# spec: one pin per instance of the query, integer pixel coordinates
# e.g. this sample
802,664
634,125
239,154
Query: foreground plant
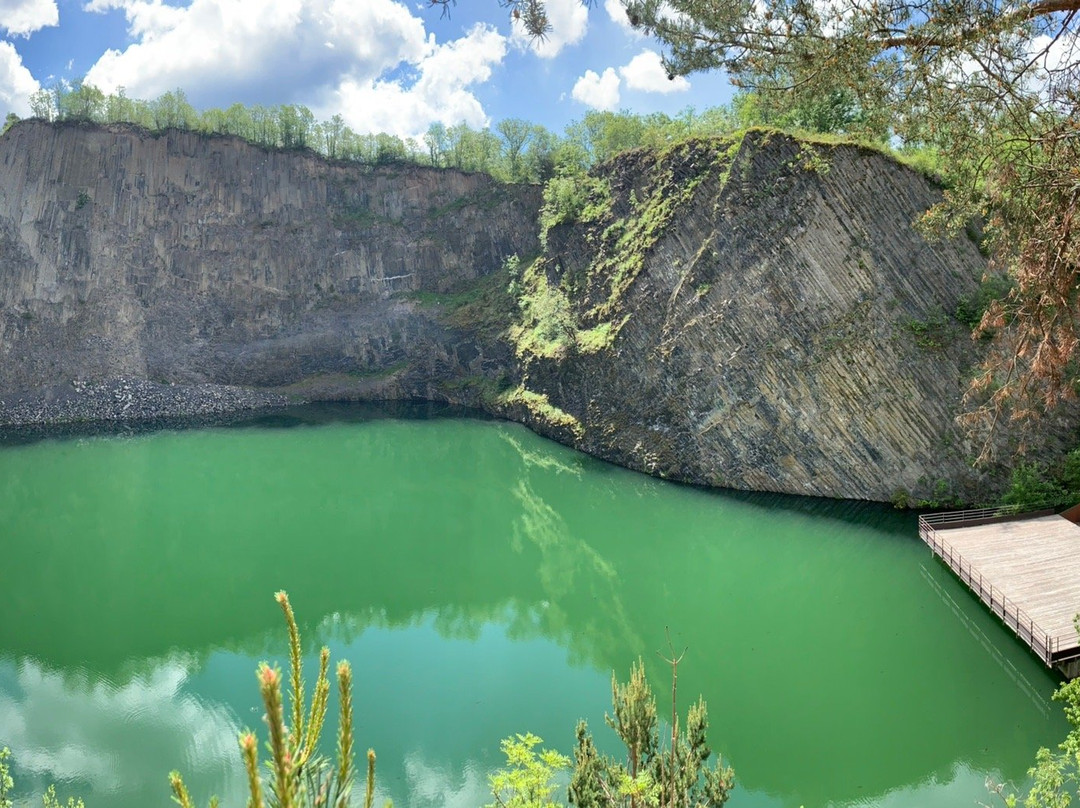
653,776
6,783
678,776
1055,777
297,776
528,781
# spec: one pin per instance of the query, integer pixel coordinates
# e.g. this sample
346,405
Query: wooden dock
1026,568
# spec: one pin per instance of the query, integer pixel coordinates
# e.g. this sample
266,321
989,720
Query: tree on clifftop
993,86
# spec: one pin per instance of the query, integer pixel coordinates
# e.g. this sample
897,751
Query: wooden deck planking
1034,562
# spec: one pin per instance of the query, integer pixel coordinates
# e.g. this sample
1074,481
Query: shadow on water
486,581
316,414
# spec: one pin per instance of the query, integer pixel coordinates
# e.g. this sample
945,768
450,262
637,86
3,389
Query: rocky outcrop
757,313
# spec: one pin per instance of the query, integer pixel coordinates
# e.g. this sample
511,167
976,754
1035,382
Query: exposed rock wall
183,258
776,324
789,330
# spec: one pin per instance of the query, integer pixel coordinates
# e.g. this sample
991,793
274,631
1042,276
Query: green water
482,581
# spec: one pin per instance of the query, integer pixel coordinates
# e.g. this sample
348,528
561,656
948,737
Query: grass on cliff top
924,160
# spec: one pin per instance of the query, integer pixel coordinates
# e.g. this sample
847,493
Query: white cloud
646,72
16,83
569,21
219,48
145,17
372,61
617,12
439,94
23,17
598,92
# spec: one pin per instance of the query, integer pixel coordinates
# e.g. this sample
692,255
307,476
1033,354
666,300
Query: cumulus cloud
598,91
646,72
569,22
440,93
372,61
23,17
16,83
232,46
1056,60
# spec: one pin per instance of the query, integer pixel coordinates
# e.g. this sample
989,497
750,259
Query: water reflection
483,582
93,736
436,786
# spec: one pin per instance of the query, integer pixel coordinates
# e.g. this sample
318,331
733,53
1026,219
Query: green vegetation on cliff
484,306
578,308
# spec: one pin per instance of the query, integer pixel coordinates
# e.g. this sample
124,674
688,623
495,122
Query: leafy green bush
1056,775
528,781
971,308
573,197
933,334
1031,488
6,783
1070,472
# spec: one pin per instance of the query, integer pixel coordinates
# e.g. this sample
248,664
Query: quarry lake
483,582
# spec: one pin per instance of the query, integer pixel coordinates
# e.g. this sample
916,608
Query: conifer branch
295,671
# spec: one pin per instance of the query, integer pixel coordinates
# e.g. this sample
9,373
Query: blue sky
384,65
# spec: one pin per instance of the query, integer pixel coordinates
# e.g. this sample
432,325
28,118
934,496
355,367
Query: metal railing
1011,615
950,518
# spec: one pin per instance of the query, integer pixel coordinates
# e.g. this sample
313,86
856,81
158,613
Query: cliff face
757,314
787,329
189,259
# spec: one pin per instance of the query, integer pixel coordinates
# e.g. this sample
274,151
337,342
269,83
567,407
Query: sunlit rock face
756,313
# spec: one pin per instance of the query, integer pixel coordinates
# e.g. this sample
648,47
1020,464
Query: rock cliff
757,313
784,328
189,259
